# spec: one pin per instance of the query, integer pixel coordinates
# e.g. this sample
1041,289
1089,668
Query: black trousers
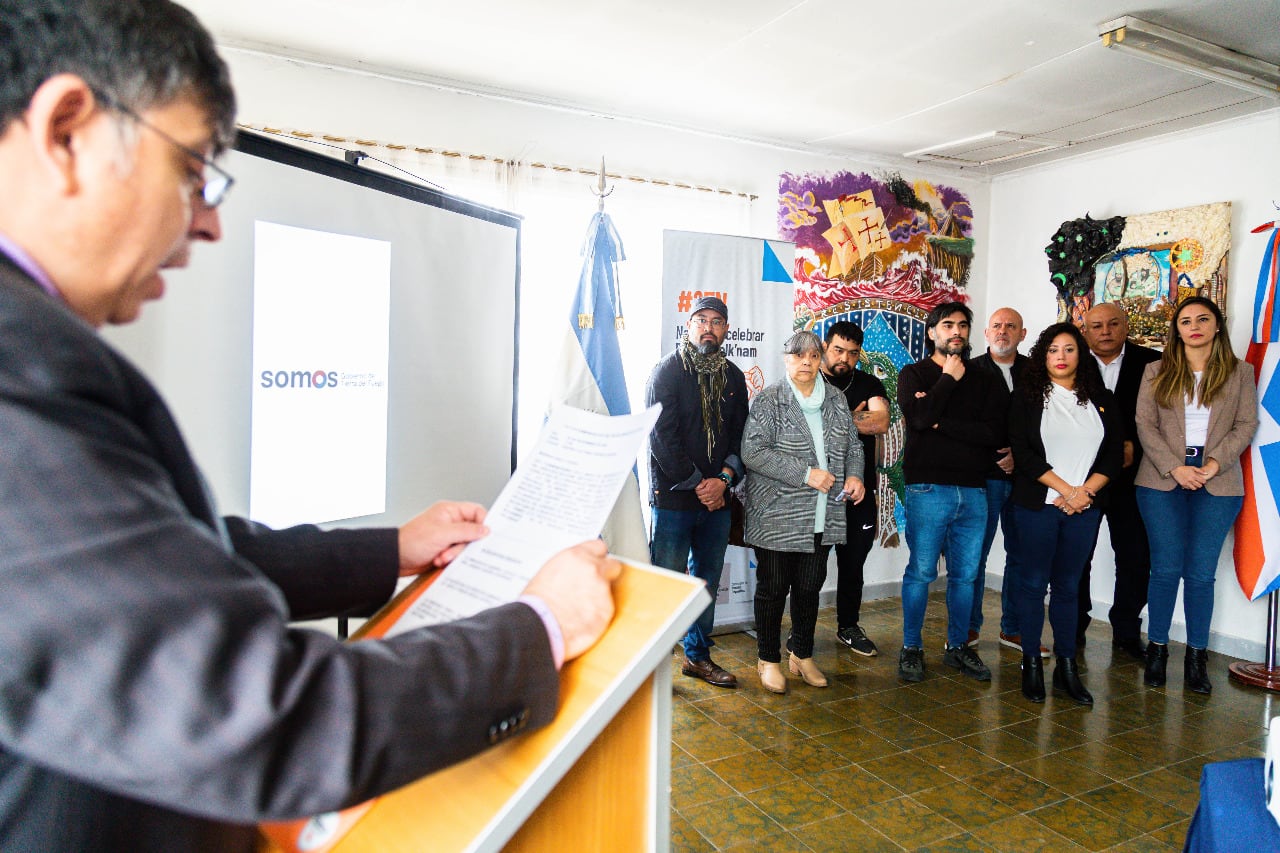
851,558
1133,564
777,574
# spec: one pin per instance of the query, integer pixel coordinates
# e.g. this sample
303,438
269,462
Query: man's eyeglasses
714,322
214,187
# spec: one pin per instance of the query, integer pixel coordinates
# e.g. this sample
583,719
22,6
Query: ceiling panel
822,75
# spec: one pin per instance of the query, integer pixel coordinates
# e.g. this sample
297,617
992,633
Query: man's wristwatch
728,481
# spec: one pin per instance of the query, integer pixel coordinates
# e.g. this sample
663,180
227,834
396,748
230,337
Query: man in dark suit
152,694
1121,361
1002,360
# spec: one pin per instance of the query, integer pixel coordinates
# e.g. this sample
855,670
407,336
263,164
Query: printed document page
560,496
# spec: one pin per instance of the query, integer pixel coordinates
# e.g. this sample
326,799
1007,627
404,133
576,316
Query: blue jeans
1054,548
692,541
938,517
1188,530
999,511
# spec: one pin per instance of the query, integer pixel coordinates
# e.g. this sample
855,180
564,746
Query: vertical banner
321,309
753,278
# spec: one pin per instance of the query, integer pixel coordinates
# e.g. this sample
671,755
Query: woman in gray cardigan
802,458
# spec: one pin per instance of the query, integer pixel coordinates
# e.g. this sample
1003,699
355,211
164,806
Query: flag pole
1264,675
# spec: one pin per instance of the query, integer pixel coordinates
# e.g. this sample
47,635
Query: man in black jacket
693,462
1002,360
1122,362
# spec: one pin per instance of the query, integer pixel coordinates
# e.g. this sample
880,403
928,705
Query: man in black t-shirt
870,406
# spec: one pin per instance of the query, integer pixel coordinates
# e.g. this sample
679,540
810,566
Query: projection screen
329,252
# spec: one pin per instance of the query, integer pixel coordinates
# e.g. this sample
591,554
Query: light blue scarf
812,408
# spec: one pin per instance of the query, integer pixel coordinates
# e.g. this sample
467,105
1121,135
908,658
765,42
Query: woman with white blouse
1197,412
1067,442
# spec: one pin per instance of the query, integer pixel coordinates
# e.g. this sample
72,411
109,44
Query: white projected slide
321,315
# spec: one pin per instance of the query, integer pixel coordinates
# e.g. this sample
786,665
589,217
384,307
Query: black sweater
954,430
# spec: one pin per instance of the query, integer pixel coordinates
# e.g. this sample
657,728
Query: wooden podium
597,778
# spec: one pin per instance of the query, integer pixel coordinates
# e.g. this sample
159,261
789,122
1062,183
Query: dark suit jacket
1136,359
987,363
1025,417
152,695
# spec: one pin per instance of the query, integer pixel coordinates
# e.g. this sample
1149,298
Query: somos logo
299,379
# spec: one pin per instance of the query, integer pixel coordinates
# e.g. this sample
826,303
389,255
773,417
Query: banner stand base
1267,674
1256,675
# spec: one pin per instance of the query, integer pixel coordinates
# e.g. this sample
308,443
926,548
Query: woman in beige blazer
1197,412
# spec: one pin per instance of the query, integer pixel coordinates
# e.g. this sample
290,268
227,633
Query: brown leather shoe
709,672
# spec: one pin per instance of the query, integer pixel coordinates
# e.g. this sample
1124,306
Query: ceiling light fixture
995,146
1181,52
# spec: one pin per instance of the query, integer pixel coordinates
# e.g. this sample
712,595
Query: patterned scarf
710,369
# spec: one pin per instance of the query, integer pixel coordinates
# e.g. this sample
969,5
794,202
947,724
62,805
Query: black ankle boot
1066,678
1033,677
1195,673
1157,657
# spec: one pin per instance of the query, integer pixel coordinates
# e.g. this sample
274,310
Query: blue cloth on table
1232,815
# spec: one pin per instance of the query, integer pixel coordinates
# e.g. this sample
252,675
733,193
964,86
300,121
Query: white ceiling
829,76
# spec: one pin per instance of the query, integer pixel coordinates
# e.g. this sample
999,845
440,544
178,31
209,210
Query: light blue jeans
999,512
938,517
1188,529
692,541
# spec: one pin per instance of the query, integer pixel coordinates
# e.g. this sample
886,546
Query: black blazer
987,363
1029,452
152,694
1136,359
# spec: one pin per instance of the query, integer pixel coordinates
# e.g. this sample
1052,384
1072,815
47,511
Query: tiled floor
873,764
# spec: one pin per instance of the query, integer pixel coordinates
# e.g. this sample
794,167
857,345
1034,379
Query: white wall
1235,161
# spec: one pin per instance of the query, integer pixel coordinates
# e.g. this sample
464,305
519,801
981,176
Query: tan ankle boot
771,676
808,670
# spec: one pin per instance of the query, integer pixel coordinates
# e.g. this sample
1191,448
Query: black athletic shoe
857,641
911,664
967,661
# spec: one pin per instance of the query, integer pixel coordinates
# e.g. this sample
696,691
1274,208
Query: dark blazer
987,363
1136,359
152,694
678,458
1233,419
1025,417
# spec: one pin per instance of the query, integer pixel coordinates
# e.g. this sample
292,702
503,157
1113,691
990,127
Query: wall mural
1146,264
880,252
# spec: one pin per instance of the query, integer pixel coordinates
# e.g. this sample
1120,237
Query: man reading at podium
152,693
